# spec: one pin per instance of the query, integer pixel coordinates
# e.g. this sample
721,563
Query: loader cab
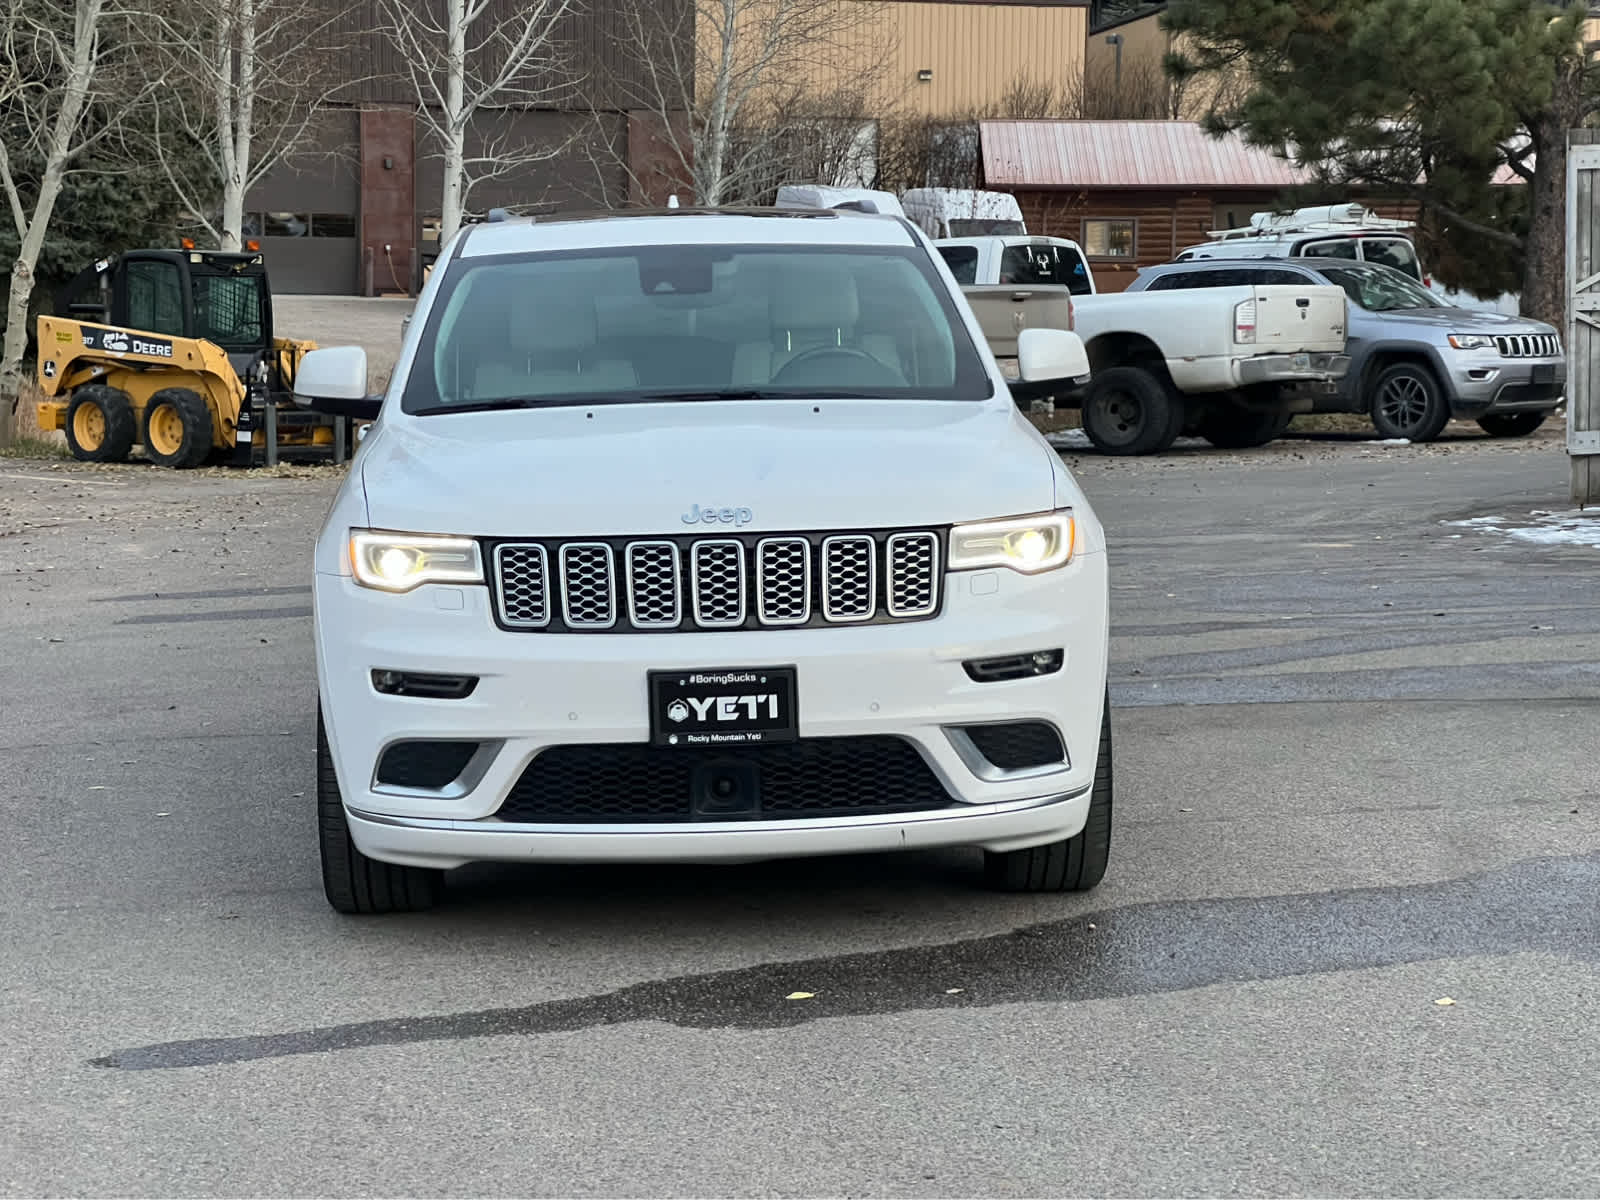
214,296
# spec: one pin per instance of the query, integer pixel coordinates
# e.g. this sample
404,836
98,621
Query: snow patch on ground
1389,442
1070,439
1541,528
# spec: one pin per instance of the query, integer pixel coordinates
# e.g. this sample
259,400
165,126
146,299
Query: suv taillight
1244,322
1072,315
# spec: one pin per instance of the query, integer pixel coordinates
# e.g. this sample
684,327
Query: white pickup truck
1232,365
1016,282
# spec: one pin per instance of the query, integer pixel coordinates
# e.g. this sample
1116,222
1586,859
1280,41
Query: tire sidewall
1438,408
117,411
197,428
1160,411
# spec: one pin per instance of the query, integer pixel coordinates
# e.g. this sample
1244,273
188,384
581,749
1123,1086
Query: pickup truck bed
1226,362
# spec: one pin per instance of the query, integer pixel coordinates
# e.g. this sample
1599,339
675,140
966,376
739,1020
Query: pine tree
1424,100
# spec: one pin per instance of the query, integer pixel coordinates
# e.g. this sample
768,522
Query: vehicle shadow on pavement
1539,906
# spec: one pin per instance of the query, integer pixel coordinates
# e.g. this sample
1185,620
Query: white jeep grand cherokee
703,536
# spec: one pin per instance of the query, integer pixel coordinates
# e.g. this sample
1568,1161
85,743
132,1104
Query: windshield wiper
714,394
433,410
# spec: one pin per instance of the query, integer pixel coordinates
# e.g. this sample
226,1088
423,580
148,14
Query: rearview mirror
334,382
1050,356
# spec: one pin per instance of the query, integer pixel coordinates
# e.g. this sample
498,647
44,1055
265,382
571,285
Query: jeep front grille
677,584
1528,345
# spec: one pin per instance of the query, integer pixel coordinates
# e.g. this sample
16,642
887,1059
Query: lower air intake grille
1018,745
637,784
430,765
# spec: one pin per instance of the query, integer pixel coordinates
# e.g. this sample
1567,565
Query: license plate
1302,362
1545,373
1010,368
728,706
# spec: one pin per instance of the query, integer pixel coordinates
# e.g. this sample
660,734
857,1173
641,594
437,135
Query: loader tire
177,428
100,424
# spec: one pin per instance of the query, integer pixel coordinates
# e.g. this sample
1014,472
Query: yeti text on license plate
725,706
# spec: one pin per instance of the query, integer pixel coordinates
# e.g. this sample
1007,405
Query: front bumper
536,691
1491,384
1289,368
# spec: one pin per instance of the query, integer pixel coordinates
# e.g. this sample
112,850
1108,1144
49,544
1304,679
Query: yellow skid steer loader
174,350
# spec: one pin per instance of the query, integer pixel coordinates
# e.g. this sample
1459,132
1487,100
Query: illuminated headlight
398,562
1471,341
1026,544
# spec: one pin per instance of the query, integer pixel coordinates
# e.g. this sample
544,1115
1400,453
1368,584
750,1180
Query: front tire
1407,402
352,882
1074,865
1129,410
100,424
1512,424
1229,425
177,428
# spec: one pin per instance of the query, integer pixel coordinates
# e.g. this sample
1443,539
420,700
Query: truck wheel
100,424
177,428
1074,865
1407,402
1512,424
1128,410
352,882
1229,425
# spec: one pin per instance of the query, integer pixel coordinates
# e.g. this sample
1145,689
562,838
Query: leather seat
547,350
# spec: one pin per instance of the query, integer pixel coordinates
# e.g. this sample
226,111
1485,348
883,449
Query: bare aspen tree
470,61
739,87
243,84
53,70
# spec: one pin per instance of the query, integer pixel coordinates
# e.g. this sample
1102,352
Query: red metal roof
1125,154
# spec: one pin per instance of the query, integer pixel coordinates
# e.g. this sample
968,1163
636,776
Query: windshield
693,322
228,310
1379,289
980,227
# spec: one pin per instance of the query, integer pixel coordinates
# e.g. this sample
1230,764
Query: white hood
638,468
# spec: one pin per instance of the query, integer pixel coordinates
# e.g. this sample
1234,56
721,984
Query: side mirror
334,382
1050,356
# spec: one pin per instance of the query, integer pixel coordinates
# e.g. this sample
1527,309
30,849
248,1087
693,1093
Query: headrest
639,316
559,325
815,296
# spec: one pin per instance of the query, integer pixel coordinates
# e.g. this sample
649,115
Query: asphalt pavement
1356,761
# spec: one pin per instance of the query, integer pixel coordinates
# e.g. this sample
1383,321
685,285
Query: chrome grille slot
654,598
783,581
913,574
679,583
717,578
588,590
522,581
1528,345
850,571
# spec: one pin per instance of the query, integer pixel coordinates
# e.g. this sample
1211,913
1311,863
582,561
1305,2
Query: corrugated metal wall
974,51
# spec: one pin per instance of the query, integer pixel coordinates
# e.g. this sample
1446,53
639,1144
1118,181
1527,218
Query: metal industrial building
356,213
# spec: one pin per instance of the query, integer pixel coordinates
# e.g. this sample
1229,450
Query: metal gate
1583,315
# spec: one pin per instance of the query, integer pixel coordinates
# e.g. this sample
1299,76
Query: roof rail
1326,218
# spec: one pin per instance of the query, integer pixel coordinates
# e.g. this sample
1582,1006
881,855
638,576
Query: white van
962,212
1341,231
812,195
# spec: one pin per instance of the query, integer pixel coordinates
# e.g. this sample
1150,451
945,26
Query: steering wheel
888,376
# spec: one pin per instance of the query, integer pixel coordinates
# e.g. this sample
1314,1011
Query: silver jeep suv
1414,362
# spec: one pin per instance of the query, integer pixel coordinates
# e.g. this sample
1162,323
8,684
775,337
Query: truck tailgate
1004,310
1295,319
